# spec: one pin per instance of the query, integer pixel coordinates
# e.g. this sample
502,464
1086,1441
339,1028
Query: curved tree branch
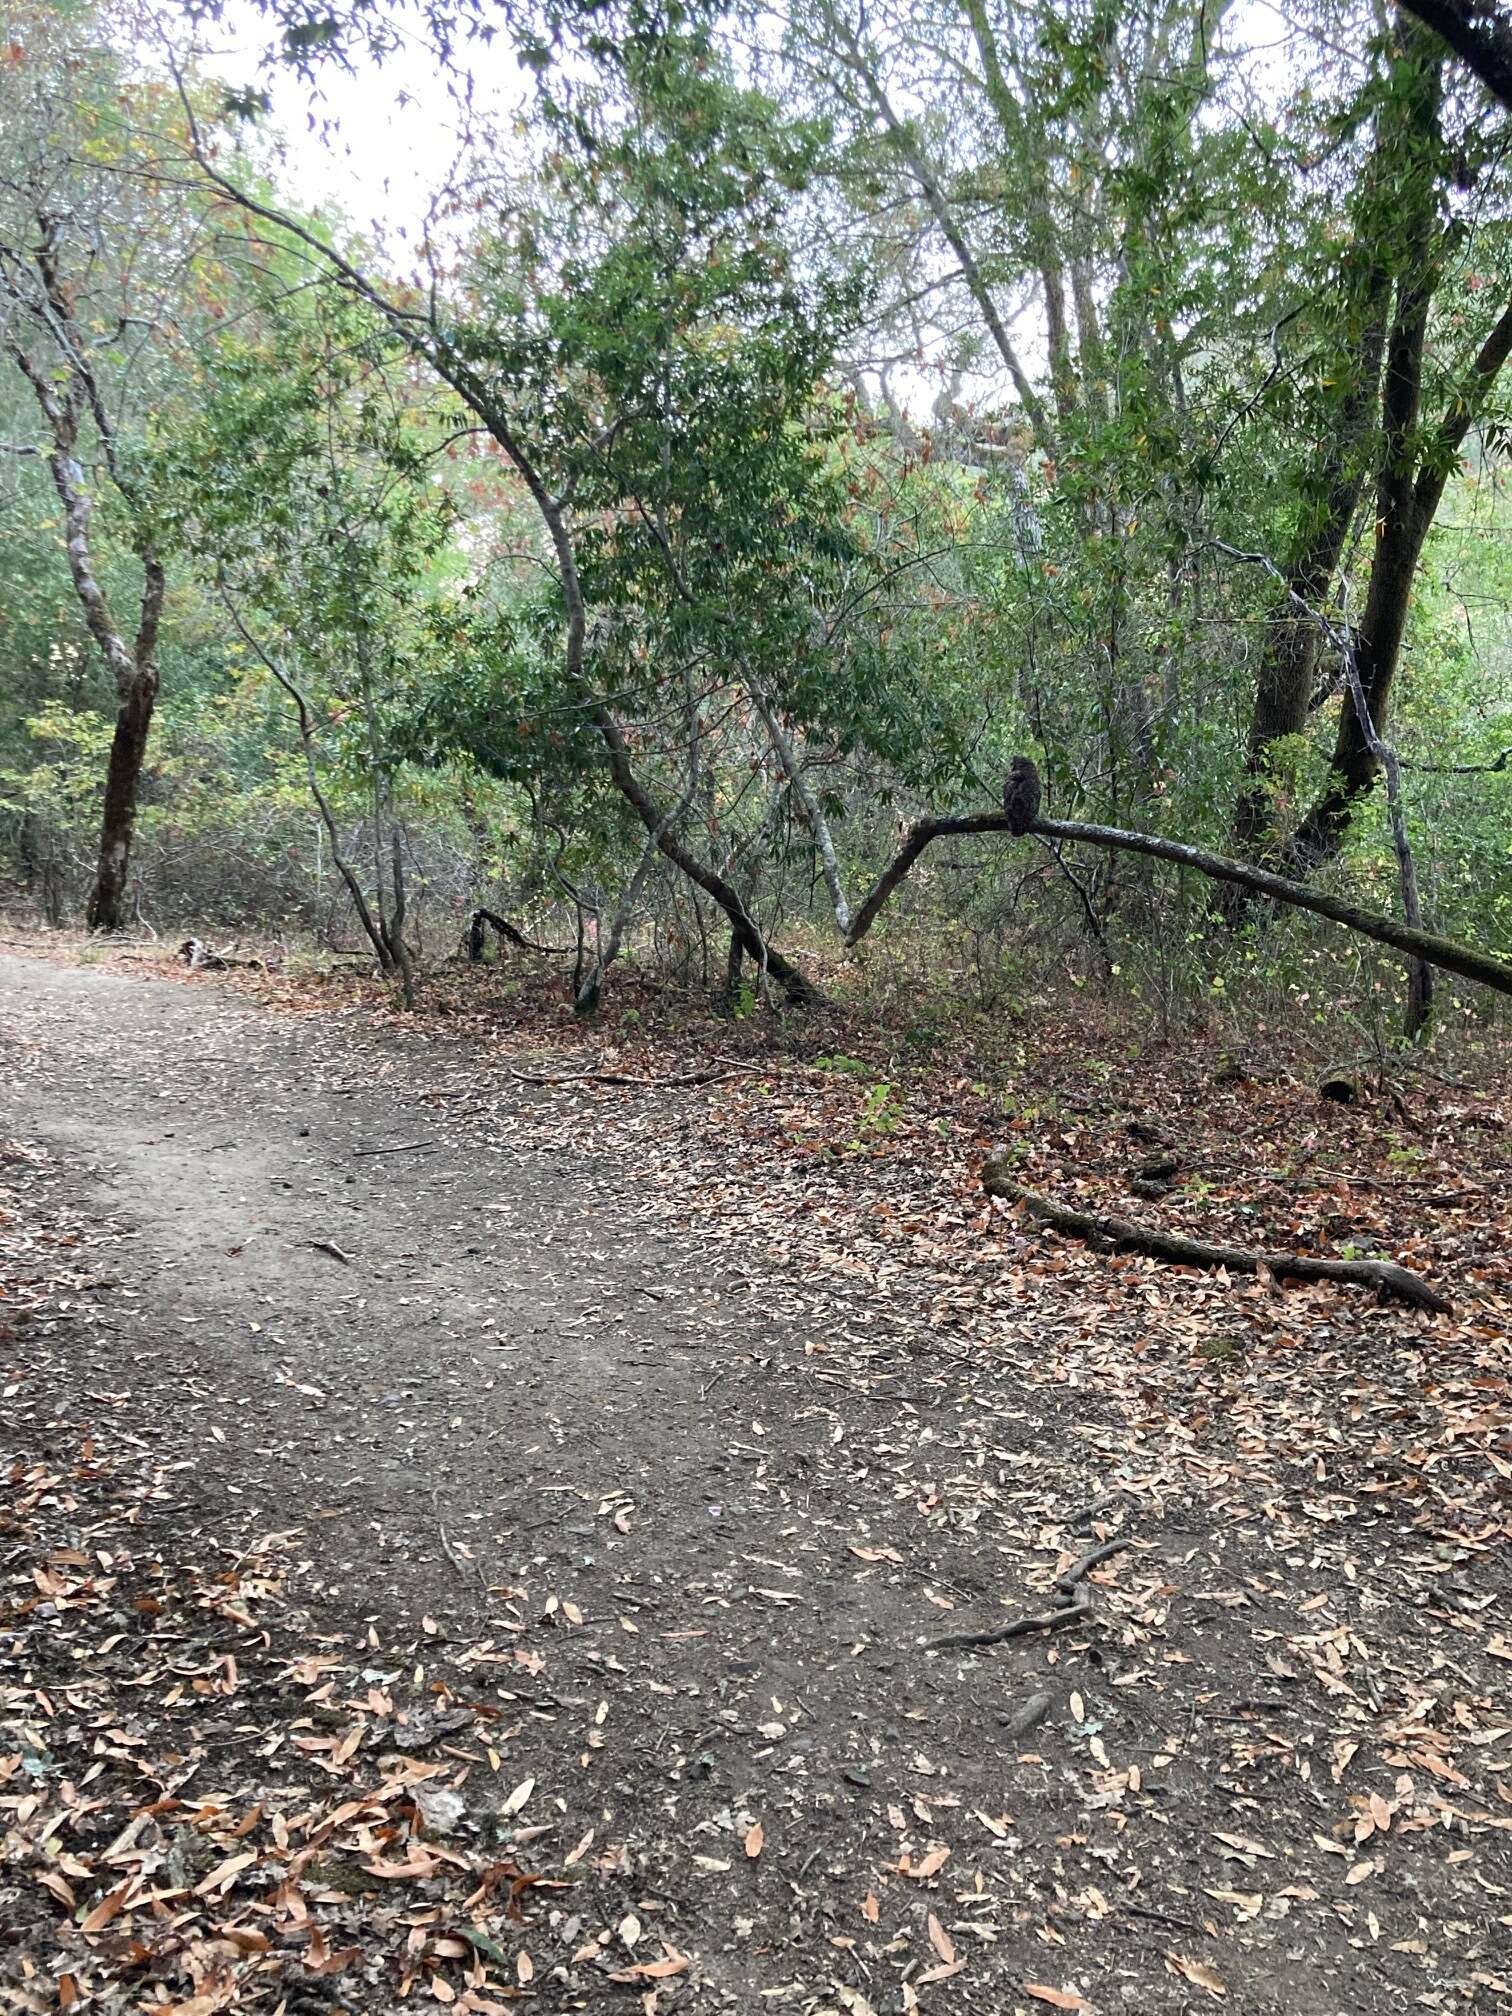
1446,953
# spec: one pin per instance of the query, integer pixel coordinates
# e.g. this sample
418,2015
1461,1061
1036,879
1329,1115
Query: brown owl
1021,794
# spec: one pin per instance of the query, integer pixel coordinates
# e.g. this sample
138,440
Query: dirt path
490,1319
703,1518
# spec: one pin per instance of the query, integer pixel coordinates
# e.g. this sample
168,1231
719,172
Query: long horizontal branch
1447,953
1121,1235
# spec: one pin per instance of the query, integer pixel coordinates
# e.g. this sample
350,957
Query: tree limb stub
1113,1234
1447,953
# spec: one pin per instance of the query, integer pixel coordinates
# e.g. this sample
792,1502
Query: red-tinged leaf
671,1962
244,1938
108,1907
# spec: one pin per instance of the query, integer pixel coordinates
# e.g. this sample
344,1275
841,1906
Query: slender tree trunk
1415,464
1288,668
588,993
734,962
108,908
64,396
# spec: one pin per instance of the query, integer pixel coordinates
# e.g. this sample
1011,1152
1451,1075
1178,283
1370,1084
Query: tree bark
64,396
1121,1235
1478,33
1415,461
108,907
132,666
1289,653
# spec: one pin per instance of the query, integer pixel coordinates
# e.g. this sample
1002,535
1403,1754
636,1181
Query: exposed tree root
1111,1234
1076,1604
710,1077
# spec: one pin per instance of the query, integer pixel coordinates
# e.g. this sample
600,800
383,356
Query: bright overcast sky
378,142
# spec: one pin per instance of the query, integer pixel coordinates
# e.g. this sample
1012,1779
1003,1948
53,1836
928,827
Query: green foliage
705,419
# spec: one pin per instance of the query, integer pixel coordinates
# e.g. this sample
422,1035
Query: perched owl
1021,794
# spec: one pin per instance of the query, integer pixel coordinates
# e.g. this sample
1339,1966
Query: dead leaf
1197,1972
518,1797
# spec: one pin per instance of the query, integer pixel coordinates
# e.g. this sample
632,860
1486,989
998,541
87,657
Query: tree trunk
108,909
65,396
1289,654
1285,680
1478,34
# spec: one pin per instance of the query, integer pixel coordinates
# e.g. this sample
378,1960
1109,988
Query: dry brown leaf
518,1797
672,1962
1058,1998
107,1908
1197,1972
755,1840
853,2001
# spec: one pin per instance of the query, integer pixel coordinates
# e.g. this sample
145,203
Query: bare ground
511,1470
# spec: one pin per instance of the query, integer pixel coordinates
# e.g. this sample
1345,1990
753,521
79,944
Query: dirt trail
490,1318
713,1514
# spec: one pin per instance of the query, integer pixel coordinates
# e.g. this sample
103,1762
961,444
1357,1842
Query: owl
1021,794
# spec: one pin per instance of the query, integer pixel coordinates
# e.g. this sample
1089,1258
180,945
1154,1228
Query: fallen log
1108,1233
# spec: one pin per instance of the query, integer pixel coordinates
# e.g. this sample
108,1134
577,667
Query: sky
378,142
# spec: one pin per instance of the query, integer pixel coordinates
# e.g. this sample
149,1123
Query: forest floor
469,1540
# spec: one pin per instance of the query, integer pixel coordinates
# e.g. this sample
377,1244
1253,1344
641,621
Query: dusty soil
456,1445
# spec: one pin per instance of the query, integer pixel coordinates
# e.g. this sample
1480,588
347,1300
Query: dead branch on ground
1107,1233
1075,1604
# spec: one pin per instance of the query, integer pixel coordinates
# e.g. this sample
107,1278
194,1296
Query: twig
465,1568
396,1148
1079,1521
330,1246
1070,1585
1160,1917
